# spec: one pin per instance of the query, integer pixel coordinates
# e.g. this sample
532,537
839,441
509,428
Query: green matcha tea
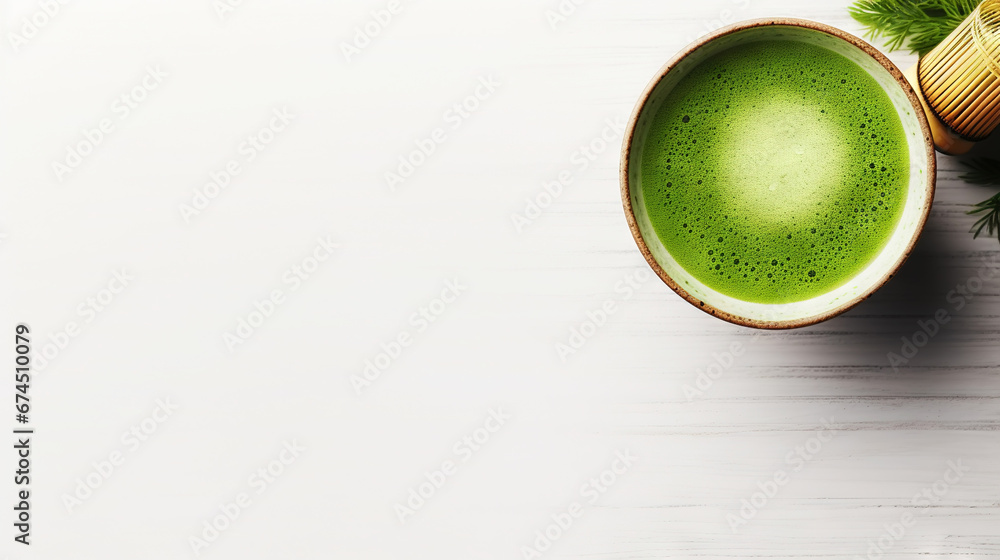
775,171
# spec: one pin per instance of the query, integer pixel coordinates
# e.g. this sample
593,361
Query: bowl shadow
917,292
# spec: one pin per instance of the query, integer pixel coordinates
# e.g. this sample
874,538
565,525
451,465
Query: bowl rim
774,22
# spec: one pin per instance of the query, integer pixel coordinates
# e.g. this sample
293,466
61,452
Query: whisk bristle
960,78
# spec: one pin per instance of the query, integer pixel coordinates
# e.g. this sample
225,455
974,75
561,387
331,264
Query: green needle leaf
985,171
918,25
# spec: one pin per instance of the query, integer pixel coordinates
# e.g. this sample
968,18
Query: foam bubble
778,166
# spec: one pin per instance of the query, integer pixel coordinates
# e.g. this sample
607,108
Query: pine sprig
990,220
985,171
918,25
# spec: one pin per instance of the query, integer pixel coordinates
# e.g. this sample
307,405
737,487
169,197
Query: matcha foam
775,171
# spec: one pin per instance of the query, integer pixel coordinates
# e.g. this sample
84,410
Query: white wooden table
475,398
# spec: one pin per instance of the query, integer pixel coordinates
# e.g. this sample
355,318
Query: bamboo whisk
960,81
